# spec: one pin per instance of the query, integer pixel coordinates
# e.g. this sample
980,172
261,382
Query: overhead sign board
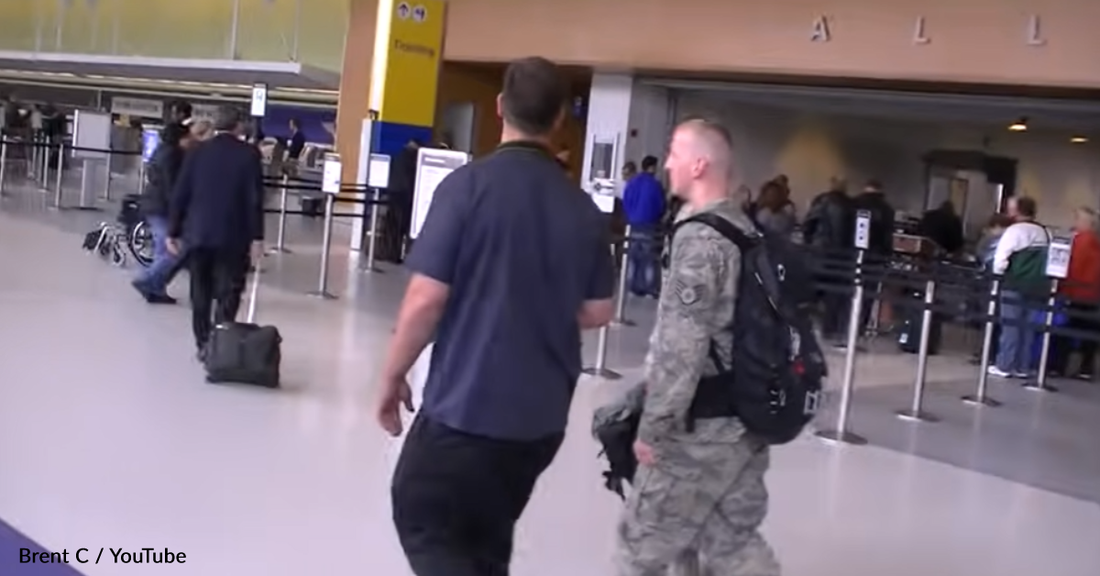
259,100
139,107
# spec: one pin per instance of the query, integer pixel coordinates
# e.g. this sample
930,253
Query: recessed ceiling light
1019,125
1078,139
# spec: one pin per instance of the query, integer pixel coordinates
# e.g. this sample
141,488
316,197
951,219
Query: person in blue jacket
644,207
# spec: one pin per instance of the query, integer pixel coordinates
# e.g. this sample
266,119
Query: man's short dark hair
229,118
534,96
182,108
649,163
1026,206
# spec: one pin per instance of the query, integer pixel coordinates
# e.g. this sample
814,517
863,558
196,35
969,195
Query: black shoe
160,299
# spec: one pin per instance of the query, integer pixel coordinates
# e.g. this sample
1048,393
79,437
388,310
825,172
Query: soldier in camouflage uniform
698,497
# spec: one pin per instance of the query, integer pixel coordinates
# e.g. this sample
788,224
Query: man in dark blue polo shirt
512,263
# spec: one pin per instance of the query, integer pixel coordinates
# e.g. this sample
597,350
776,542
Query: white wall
810,149
635,115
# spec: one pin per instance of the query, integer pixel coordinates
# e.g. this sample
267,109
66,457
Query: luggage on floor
244,352
909,335
312,206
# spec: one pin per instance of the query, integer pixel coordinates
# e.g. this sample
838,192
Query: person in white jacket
1020,257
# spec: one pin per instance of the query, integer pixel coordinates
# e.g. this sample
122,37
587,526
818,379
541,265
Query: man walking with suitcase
217,210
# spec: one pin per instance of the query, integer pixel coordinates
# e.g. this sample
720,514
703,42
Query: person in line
162,173
217,211
630,170
829,228
511,265
297,141
643,207
773,211
398,219
180,112
986,250
944,227
699,493
1082,289
880,243
201,131
1021,257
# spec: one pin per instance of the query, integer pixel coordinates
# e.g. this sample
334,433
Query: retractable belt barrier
38,166
925,290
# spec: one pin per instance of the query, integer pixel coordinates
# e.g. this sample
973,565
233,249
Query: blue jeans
156,278
644,261
1014,350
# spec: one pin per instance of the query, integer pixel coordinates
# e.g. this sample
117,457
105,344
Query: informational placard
1058,253
330,176
91,135
862,238
378,175
432,166
150,140
602,191
259,100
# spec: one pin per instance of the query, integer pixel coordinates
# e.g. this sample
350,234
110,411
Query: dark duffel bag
312,206
244,352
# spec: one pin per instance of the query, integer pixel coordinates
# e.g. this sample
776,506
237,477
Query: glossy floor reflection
109,437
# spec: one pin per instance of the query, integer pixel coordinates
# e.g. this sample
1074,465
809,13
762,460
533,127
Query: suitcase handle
253,295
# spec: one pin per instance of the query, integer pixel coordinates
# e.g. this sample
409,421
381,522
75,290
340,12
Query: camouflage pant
698,510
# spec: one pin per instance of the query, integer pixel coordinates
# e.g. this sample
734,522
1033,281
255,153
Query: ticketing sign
150,140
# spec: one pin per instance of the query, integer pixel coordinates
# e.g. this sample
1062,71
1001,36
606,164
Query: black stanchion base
322,294
624,323
81,208
841,437
1040,387
916,416
602,373
973,400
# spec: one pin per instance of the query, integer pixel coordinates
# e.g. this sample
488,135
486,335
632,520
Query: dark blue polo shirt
521,248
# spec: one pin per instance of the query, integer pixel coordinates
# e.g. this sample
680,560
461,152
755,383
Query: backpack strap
724,227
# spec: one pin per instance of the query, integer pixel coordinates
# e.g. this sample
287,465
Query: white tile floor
109,437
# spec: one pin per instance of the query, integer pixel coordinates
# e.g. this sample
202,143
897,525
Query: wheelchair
129,236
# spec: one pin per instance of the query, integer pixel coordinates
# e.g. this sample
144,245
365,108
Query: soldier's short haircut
715,139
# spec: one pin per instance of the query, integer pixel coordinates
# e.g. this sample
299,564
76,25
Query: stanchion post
372,239
60,171
326,246
981,397
32,158
107,178
841,434
620,318
44,158
330,186
600,369
1040,383
3,163
280,242
916,412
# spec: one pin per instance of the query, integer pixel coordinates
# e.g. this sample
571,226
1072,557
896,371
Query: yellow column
403,43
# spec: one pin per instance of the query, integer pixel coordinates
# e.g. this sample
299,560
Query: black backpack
774,382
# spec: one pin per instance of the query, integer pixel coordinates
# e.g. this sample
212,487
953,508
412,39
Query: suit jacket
218,200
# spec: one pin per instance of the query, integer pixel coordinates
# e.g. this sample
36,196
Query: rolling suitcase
244,352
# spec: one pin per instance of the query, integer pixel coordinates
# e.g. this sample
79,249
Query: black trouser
1060,347
217,279
457,497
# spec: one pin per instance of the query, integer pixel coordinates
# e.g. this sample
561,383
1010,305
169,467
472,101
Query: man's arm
434,263
256,166
599,306
180,202
698,276
1006,246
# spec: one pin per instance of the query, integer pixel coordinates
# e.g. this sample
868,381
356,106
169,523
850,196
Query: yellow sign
408,52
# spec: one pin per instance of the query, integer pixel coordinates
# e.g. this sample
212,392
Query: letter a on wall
821,30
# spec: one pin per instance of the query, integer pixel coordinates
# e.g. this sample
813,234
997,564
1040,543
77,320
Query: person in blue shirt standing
644,207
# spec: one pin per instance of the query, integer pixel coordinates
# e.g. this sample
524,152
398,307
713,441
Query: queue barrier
39,167
953,292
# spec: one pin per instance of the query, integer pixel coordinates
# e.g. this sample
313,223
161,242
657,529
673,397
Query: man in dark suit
217,212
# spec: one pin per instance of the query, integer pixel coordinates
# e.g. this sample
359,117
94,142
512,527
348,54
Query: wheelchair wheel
118,257
140,243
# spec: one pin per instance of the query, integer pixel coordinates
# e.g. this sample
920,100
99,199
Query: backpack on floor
774,382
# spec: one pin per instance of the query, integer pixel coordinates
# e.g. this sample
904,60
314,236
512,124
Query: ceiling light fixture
1078,140
1019,125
